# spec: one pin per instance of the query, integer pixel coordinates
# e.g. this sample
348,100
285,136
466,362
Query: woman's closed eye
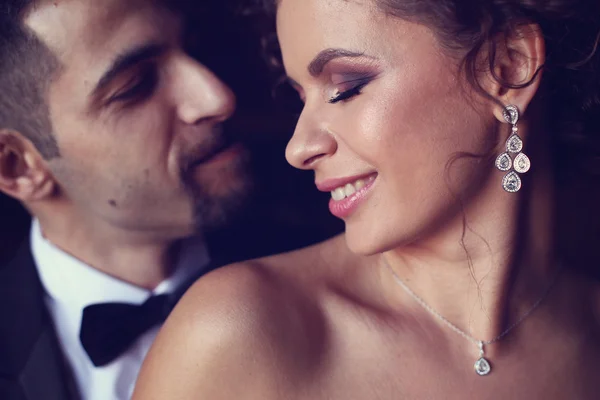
354,88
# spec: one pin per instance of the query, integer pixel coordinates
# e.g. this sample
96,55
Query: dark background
286,211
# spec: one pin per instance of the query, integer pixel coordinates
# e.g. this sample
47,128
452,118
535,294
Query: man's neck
144,262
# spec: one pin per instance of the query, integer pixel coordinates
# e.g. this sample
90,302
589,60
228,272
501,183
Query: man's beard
215,209
212,211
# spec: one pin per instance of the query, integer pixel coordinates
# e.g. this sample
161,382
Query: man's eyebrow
316,66
128,59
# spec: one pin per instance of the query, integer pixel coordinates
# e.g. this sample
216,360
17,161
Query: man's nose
199,95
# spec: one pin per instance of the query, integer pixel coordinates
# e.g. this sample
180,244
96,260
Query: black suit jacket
32,365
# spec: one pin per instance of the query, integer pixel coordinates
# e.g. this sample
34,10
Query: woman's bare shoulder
247,290
254,315
320,256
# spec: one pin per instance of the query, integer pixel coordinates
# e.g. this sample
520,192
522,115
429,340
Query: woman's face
386,112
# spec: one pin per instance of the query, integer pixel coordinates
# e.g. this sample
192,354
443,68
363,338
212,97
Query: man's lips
205,156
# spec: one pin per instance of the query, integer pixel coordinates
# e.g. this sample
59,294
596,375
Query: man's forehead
91,25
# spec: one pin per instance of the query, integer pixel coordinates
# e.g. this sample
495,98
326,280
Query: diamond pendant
482,366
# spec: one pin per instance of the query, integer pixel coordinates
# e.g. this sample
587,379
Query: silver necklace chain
482,366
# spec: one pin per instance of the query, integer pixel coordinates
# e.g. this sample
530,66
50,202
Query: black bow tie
108,330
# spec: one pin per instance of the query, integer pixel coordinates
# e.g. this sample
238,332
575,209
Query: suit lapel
31,361
44,376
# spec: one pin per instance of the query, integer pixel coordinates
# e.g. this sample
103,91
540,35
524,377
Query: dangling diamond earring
514,145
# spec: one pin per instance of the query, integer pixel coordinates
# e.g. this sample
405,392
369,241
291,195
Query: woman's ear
23,172
517,69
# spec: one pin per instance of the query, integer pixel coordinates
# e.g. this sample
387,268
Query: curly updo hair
571,74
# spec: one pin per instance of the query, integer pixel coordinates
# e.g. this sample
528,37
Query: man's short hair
27,66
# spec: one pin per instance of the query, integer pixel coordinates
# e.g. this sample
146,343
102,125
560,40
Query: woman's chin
365,244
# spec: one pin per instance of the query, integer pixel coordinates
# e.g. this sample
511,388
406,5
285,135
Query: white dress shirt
71,285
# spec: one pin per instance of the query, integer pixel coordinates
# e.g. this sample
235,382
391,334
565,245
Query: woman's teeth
347,190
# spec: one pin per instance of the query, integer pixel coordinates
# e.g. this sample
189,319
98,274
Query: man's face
136,120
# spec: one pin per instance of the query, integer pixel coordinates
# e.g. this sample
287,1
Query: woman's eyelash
347,94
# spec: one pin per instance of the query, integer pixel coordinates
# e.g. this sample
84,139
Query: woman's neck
488,267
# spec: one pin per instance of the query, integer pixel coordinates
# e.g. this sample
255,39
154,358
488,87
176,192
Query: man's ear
517,69
24,174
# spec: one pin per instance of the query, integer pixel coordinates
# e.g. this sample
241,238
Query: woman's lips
348,193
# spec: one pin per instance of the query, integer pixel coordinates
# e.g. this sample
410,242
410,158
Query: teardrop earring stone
504,162
511,114
522,163
511,182
514,144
